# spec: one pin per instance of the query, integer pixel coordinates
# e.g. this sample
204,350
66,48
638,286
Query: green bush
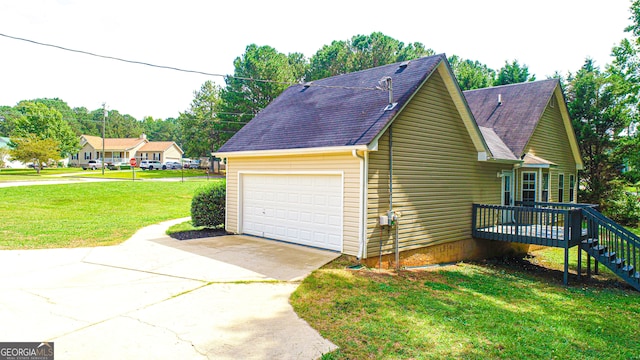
624,208
208,205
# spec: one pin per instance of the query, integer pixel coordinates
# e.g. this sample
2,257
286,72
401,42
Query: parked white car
150,165
93,165
172,165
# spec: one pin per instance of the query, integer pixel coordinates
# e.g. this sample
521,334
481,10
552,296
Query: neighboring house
314,167
162,151
8,163
123,149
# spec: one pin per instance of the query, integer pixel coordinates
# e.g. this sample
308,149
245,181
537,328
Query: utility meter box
384,220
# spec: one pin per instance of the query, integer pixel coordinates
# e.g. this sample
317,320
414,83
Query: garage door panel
304,209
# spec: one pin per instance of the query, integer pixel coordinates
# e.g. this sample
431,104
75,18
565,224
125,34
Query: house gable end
559,143
435,168
447,79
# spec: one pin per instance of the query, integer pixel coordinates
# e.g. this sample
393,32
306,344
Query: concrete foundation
472,249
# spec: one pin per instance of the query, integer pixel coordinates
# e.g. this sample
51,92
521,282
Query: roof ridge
375,68
512,85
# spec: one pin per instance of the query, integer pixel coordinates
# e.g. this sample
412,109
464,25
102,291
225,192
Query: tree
46,123
32,148
118,125
361,52
58,104
598,118
3,153
161,130
513,73
202,130
471,74
8,117
243,97
86,123
330,60
377,49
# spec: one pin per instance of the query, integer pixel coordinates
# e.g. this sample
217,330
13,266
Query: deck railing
614,246
549,226
565,226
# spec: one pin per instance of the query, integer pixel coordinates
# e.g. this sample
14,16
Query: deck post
474,220
565,278
588,265
579,262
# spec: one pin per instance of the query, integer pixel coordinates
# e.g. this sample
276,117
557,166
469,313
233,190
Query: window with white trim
572,184
528,187
545,187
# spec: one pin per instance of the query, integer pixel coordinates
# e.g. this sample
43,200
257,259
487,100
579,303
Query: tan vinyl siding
550,141
436,175
345,163
171,154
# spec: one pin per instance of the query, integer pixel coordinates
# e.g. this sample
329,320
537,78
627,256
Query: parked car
31,165
92,164
150,165
118,166
172,165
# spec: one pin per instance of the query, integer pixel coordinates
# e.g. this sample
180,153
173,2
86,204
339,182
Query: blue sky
208,35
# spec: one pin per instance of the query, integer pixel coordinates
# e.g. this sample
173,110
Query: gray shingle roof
516,118
329,115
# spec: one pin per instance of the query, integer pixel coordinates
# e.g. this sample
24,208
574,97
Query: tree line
603,102
216,112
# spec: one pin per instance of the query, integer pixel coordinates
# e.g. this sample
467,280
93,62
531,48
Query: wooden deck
547,235
548,226
564,226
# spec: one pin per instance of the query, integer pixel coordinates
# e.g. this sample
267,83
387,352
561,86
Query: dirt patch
198,234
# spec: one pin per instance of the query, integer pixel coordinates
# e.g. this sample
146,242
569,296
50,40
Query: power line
309,84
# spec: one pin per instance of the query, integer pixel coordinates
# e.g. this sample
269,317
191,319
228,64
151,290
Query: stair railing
618,247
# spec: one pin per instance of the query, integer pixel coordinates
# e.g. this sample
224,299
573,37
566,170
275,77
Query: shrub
624,208
208,205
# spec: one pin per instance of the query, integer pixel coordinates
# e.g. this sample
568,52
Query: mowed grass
468,311
146,174
31,174
88,214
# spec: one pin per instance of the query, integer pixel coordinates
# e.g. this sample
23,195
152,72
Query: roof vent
499,99
387,84
404,64
308,84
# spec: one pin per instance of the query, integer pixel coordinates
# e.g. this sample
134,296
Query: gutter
299,151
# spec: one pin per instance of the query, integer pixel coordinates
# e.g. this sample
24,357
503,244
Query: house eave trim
280,152
505,161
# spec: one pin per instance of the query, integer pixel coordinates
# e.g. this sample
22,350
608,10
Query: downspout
392,216
362,227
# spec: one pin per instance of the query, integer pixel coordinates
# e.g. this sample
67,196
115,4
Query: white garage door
303,209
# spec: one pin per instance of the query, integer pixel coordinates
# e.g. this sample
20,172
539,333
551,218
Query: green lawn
469,311
140,174
88,214
31,174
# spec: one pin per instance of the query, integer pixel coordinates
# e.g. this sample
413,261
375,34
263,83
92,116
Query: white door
507,196
302,209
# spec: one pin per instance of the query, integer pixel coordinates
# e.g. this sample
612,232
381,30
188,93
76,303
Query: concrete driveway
154,297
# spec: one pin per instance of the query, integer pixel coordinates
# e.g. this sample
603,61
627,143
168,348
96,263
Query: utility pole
104,120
